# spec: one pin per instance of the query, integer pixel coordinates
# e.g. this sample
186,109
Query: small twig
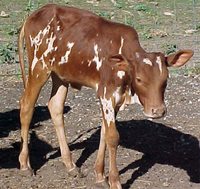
143,181
114,2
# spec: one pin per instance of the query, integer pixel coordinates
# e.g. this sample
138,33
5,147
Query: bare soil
152,154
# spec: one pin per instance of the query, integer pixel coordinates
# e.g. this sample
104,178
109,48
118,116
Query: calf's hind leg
56,106
27,103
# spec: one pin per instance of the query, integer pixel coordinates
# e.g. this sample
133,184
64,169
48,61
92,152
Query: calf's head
150,79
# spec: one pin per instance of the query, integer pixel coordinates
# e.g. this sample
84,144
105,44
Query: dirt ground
152,154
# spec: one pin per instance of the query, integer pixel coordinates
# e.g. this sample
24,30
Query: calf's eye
138,79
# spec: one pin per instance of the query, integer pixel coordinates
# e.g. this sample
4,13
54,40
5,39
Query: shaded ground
152,154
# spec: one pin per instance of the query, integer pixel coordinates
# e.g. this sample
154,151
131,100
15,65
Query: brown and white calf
78,48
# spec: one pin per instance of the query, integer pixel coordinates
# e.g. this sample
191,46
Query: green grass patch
148,17
170,48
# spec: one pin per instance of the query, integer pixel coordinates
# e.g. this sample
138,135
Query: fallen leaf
4,14
191,31
168,14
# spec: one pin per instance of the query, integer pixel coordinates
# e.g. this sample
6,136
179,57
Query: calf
78,48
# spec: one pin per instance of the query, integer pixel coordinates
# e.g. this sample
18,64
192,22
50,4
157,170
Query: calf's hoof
26,172
76,172
102,185
116,186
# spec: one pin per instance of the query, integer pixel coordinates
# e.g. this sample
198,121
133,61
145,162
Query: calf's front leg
99,164
112,140
109,138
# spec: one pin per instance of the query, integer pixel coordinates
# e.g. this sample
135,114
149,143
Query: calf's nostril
154,110
158,111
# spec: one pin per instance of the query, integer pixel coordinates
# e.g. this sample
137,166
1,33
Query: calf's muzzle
156,112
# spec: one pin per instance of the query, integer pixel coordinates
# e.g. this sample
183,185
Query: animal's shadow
38,151
159,144
9,121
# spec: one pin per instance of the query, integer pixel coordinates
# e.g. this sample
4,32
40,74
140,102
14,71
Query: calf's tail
21,54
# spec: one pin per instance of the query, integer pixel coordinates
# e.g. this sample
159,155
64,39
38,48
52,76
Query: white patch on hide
64,59
117,95
50,44
96,86
96,58
122,43
135,99
120,74
37,41
137,55
108,110
158,61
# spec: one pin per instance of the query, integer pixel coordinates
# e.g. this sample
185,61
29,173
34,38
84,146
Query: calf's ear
179,58
119,62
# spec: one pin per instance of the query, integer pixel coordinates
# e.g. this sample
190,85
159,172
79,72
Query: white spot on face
111,41
108,109
58,28
122,43
147,61
158,61
120,74
64,59
96,58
